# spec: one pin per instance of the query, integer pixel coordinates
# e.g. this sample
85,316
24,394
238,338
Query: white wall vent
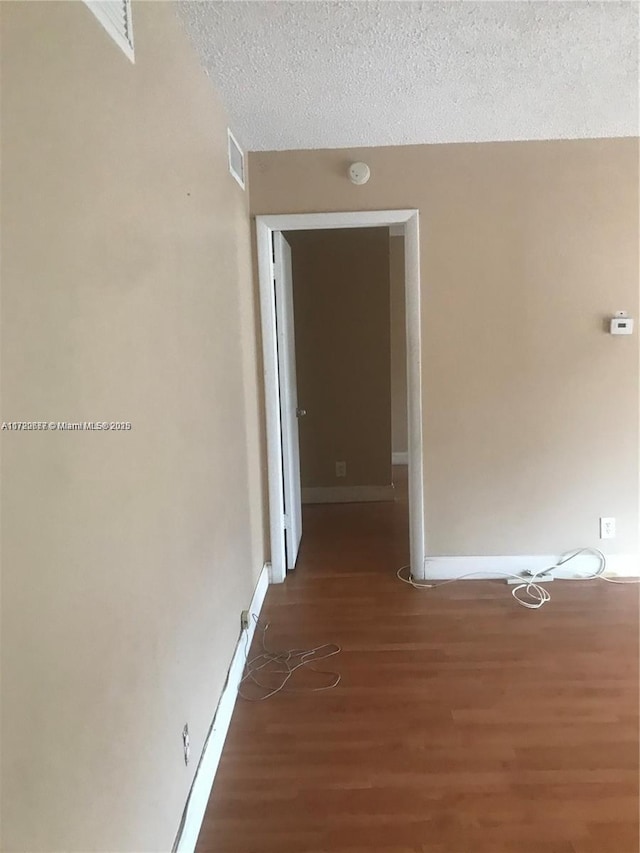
236,159
115,17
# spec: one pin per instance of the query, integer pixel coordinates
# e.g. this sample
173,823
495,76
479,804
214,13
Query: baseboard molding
347,494
400,457
445,568
206,772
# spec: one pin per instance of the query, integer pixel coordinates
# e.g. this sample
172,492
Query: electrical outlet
341,469
607,528
186,743
244,620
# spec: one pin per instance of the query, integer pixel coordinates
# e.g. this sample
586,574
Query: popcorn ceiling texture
346,74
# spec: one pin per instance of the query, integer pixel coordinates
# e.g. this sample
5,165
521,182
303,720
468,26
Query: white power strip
545,577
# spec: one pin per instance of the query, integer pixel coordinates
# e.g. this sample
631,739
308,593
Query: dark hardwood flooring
463,722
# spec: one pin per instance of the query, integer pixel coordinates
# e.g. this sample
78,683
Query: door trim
408,220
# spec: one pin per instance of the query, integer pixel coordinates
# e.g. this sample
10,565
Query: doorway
279,371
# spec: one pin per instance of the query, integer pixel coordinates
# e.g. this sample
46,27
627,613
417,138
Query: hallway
463,723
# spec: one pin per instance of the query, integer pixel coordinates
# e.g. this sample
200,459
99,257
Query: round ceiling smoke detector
359,173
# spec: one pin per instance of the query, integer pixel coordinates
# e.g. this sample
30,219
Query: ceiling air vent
236,159
115,17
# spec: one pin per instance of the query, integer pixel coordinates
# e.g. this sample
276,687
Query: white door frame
408,221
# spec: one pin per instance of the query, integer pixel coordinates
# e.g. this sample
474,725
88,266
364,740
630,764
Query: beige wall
531,409
341,299
399,438
127,295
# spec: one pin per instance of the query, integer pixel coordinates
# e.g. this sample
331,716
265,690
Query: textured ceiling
345,74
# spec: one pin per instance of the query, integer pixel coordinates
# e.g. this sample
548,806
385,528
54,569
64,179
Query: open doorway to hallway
350,372
281,403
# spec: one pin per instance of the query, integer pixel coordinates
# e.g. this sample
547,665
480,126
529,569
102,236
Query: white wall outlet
244,620
607,528
186,743
341,469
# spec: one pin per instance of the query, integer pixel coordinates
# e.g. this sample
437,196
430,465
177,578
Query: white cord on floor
536,595
284,664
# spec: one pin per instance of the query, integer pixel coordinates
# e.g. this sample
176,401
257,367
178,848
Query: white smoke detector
359,173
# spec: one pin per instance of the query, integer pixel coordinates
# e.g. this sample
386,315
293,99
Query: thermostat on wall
621,324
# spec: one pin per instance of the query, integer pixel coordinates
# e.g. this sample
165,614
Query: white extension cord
533,596
283,664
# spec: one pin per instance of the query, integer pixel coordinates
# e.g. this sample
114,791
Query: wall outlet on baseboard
607,528
244,620
341,469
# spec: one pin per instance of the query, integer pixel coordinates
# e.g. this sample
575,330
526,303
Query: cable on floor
529,594
283,664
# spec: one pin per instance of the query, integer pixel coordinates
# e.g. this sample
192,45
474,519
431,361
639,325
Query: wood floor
463,722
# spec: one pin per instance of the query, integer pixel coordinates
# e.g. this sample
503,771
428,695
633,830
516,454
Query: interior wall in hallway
399,440
127,296
342,319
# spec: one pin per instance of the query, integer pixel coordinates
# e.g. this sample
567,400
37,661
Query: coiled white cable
533,595
538,595
284,664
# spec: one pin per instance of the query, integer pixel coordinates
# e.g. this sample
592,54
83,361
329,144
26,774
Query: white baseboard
400,457
445,568
206,772
347,494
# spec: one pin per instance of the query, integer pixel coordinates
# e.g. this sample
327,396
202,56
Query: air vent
115,17
236,159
